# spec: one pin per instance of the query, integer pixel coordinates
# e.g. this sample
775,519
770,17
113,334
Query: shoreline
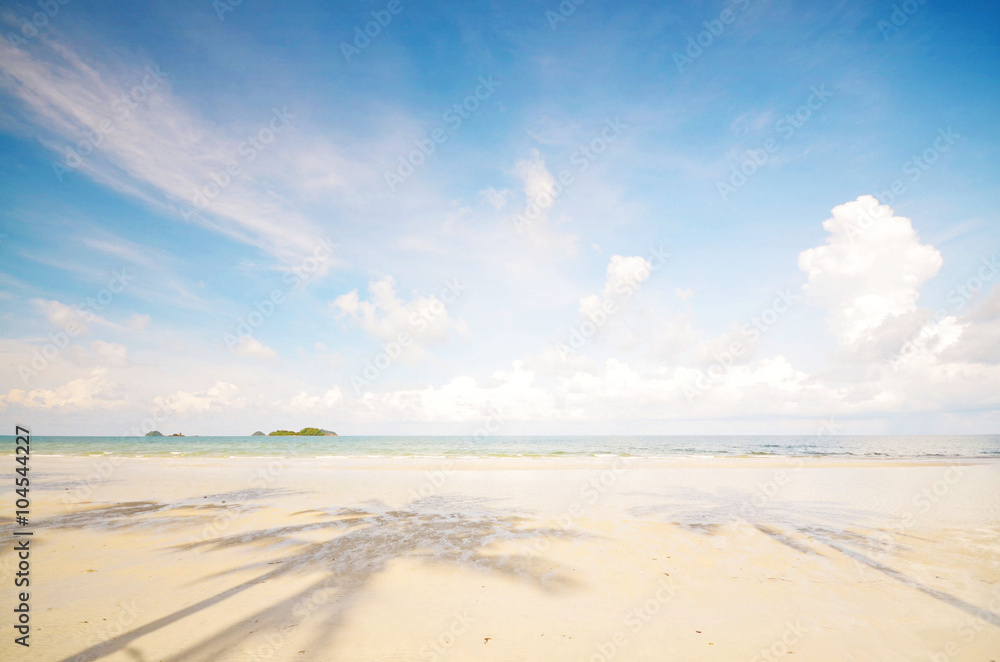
480,463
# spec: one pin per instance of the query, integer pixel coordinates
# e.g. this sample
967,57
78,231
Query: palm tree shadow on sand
362,542
817,529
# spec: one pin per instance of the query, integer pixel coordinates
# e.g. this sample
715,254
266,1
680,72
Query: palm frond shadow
362,542
131,514
836,529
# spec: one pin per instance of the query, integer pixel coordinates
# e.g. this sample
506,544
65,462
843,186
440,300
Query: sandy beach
154,559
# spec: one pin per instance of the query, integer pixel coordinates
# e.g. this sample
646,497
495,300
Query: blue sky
619,125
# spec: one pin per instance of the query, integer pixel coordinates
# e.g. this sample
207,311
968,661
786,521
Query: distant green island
304,432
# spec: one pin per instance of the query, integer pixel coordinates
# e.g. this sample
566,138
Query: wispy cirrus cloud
125,128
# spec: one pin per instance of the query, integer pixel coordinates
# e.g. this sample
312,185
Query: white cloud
869,277
464,399
870,270
950,363
113,245
158,150
539,183
624,276
138,322
541,193
94,392
613,391
220,396
97,353
303,402
252,347
61,315
498,199
109,353
989,307
751,123
332,358
386,316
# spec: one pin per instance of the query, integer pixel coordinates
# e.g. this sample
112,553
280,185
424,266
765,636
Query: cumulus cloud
652,327
138,322
385,316
613,390
624,276
221,395
498,199
101,353
94,392
250,346
969,338
541,192
303,402
464,398
63,316
869,272
939,362
539,183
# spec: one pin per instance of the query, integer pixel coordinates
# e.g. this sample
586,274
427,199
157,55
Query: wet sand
147,559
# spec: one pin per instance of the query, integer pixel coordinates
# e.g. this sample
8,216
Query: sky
397,217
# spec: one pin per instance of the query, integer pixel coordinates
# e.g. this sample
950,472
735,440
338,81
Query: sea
898,447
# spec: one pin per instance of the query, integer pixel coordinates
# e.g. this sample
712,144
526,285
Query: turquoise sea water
958,446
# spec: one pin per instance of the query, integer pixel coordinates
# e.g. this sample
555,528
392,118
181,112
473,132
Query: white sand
541,559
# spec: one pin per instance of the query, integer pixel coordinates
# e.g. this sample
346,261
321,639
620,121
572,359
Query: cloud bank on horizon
604,222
